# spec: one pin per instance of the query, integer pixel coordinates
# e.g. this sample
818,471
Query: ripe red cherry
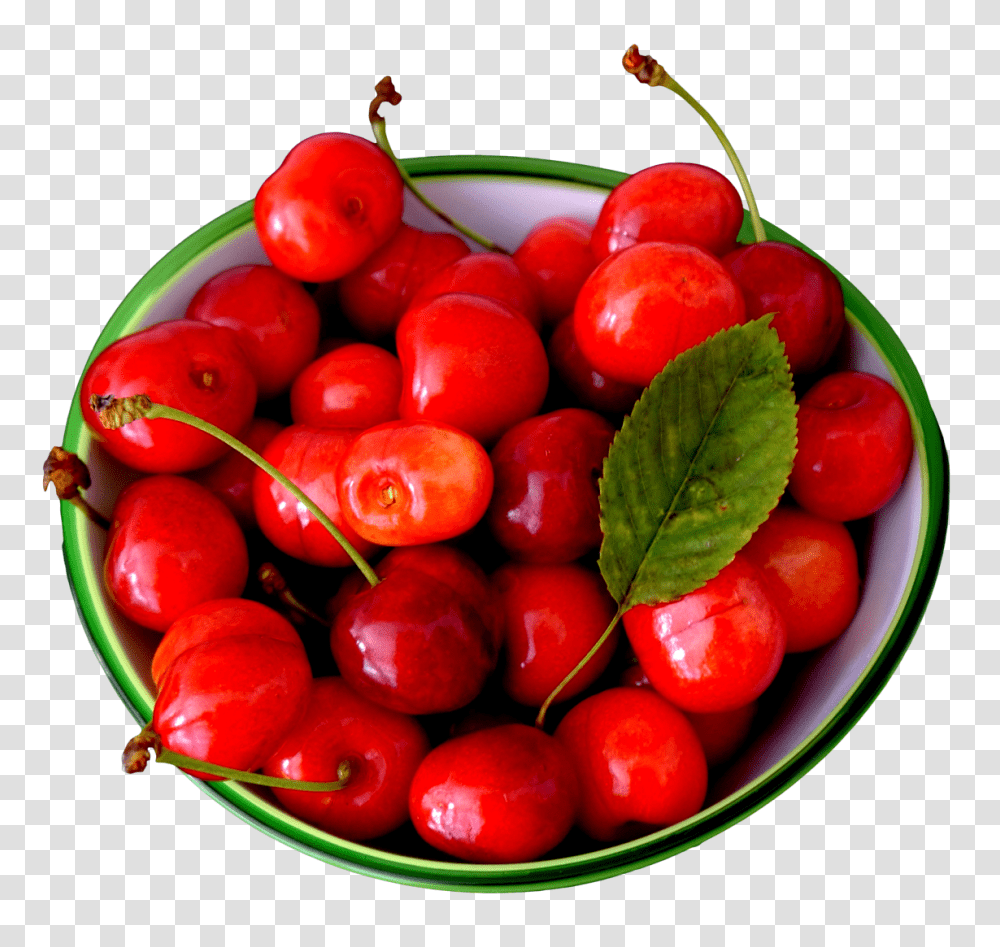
639,761
545,507
855,445
714,649
197,368
674,202
275,319
383,748
499,795
334,199
552,616
801,290
645,305
811,568
355,385
470,362
171,546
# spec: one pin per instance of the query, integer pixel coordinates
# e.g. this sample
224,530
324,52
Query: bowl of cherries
497,562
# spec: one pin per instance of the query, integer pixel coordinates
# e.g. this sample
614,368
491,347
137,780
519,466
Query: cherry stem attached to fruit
116,412
544,709
69,475
136,756
386,92
648,71
273,583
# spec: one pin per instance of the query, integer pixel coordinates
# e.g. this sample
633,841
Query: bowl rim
604,862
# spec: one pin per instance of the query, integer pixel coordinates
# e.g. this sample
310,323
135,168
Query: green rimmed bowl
504,197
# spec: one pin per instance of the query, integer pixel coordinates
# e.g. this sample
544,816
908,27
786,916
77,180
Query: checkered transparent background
870,132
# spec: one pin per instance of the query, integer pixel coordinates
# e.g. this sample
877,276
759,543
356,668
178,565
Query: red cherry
714,649
471,362
171,546
855,445
552,616
811,568
545,504
722,735
499,795
334,199
354,385
640,764
187,365
275,319
674,202
383,747
645,305
801,290
309,457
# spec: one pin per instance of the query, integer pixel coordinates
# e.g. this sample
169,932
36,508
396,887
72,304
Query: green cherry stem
386,92
116,412
648,71
69,475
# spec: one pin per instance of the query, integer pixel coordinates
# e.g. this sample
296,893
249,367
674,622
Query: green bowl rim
606,862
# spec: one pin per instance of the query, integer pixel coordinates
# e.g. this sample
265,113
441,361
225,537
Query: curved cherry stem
116,412
69,475
648,71
544,709
386,92
273,583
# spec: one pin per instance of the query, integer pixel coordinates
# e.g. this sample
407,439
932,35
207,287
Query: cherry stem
544,709
386,92
648,71
69,475
116,412
273,583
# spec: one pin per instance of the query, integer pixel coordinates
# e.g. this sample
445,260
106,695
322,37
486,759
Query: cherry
640,764
552,616
811,568
645,305
855,445
171,545
334,199
354,385
471,362
187,365
545,502
275,319
501,794
382,747
714,649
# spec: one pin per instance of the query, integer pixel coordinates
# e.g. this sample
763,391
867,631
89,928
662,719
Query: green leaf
698,466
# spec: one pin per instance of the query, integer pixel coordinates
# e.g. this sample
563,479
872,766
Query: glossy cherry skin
674,202
309,457
409,482
556,258
375,295
411,644
855,446
811,568
470,362
499,795
171,546
355,385
552,616
645,305
802,292
714,649
383,747
334,199
275,319
639,761
545,500
197,368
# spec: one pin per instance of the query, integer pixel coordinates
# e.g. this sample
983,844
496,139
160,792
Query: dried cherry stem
386,92
116,412
648,71
273,583
544,709
69,475
136,756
